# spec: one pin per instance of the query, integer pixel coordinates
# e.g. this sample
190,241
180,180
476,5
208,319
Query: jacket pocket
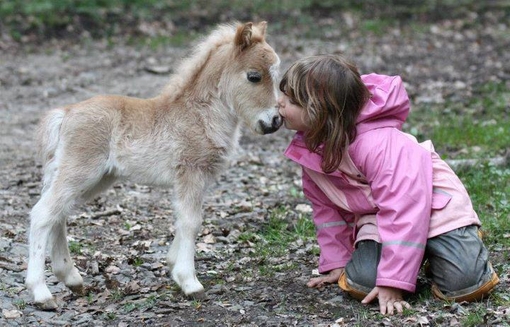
440,199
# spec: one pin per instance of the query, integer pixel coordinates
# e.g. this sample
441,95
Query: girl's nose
280,101
280,107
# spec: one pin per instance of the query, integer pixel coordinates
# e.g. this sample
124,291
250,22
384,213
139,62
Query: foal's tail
49,135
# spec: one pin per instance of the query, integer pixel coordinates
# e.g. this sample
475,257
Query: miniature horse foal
182,137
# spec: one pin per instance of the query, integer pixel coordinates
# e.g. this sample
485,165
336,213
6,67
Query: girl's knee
453,277
473,289
458,259
360,277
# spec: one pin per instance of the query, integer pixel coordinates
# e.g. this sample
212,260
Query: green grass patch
376,26
474,318
280,231
137,262
104,18
75,247
489,188
20,304
475,129
109,316
283,232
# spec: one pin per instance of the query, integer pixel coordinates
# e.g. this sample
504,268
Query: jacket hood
388,105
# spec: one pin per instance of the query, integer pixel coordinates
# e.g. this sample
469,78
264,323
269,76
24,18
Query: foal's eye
254,77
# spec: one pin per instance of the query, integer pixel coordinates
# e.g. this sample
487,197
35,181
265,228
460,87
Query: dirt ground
120,238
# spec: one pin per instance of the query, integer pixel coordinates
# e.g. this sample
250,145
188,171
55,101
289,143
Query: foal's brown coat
181,137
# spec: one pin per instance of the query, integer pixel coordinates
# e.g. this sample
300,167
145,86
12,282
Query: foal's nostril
277,121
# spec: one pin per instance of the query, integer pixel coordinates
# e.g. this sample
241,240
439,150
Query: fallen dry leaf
132,288
11,314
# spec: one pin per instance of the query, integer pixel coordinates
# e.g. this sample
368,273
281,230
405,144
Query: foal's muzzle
276,123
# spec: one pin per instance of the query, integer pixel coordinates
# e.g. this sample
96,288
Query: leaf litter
119,240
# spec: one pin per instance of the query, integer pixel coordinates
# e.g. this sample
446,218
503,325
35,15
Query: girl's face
292,113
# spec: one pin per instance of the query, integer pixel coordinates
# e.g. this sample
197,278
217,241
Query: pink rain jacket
388,188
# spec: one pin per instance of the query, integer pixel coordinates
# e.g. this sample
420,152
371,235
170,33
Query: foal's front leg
189,193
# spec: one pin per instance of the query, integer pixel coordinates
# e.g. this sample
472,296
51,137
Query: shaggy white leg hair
190,188
48,223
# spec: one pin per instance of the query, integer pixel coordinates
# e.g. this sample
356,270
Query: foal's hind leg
48,222
46,214
61,262
189,193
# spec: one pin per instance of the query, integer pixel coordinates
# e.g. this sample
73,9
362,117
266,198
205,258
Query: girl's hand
389,299
331,278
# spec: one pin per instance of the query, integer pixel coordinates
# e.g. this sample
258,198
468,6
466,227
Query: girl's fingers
331,278
389,308
397,305
312,282
315,282
370,296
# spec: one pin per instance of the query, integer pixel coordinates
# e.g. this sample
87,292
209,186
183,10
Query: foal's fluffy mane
190,66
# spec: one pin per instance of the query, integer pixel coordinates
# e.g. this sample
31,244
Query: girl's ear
243,36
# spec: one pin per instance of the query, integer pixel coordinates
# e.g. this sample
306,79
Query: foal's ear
243,36
249,34
262,26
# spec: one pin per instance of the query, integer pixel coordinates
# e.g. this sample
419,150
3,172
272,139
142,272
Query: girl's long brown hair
330,90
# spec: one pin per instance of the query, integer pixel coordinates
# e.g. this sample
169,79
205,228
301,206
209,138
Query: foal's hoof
77,289
48,305
200,295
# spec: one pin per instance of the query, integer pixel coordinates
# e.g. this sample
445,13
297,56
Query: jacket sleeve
333,228
399,172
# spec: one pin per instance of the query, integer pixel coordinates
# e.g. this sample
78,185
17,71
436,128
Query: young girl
382,202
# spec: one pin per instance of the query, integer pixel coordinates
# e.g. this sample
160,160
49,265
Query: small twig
463,163
158,70
105,213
